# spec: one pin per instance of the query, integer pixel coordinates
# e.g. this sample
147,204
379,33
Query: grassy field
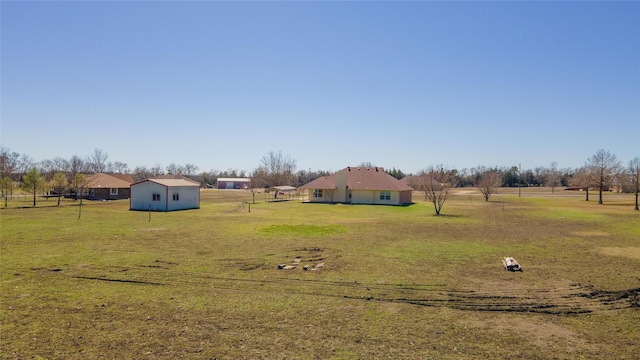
383,282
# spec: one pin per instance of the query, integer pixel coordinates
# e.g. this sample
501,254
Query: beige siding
341,192
326,196
362,197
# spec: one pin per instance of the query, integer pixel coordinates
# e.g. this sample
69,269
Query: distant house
233,183
414,181
103,186
359,185
165,195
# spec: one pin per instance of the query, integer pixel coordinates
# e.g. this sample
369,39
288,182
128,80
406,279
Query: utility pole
519,177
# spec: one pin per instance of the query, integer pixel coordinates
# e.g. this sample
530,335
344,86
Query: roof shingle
360,178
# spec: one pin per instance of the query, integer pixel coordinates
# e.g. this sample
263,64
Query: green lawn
384,282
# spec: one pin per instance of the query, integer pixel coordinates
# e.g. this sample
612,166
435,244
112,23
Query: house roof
360,178
324,182
411,180
102,180
126,177
171,182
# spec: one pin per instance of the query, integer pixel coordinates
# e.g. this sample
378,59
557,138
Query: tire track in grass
572,300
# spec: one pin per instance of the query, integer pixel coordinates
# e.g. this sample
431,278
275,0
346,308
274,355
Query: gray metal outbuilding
165,195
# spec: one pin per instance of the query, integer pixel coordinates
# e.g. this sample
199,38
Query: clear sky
331,84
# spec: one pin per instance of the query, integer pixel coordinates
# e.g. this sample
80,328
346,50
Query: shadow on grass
357,204
452,216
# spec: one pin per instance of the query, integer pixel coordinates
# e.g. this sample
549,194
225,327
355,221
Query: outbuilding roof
171,182
283,188
235,179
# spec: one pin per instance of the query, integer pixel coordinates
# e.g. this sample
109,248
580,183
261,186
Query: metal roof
283,188
171,182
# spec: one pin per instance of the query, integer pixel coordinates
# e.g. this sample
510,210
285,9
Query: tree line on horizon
602,171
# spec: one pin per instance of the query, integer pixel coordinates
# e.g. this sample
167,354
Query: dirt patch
541,332
631,252
307,258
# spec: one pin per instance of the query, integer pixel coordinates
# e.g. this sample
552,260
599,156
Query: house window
156,197
317,193
176,197
385,195
113,191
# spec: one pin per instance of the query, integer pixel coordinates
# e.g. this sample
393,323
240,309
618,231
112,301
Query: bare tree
634,171
174,169
59,183
602,166
141,173
437,183
8,162
47,168
25,164
582,179
61,165
190,169
156,170
488,183
552,176
109,169
258,180
121,167
278,169
79,182
77,165
98,161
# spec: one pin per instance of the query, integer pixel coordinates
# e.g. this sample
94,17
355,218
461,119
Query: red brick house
103,186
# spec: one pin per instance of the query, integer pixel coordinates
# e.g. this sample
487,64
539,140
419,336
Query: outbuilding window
156,197
113,191
385,195
176,197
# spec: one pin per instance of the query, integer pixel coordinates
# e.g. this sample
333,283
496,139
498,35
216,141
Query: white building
165,195
233,183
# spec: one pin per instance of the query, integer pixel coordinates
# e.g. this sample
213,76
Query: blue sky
331,84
